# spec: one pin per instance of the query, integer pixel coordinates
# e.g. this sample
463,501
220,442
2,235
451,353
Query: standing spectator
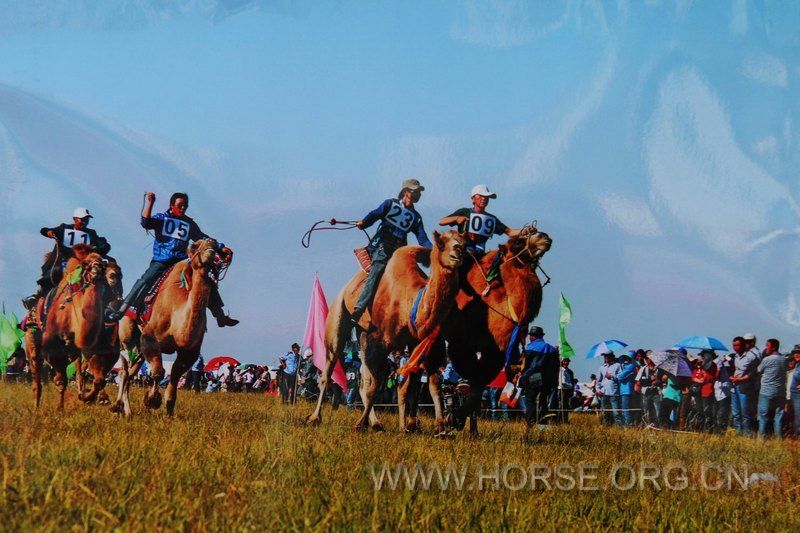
563,393
196,374
743,399
352,369
608,390
538,376
288,383
310,375
626,378
649,384
671,401
794,391
704,376
772,397
723,390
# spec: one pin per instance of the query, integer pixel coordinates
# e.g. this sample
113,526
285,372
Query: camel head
202,254
529,246
113,274
93,268
448,249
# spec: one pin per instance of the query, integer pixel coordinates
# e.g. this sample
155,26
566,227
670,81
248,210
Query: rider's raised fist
151,196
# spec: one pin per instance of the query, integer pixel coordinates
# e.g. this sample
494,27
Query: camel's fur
177,324
387,327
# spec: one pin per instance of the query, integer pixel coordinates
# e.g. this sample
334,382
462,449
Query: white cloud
544,154
506,23
765,69
701,175
766,147
632,215
738,25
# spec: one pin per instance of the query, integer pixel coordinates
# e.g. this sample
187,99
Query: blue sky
657,142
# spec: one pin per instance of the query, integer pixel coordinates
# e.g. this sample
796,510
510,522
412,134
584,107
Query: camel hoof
413,427
103,399
444,434
152,401
313,421
117,407
377,428
360,428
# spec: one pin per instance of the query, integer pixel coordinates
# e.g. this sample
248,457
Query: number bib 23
400,217
75,236
483,225
175,228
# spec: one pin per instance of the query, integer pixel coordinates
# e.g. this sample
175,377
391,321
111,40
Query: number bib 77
75,236
483,225
400,217
175,228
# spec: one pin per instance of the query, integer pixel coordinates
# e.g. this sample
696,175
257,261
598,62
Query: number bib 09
400,217
175,228
480,224
75,236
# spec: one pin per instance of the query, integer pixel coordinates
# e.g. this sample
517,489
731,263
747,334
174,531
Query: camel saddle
364,260
141,312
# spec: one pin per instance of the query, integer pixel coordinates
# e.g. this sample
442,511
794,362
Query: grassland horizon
242,461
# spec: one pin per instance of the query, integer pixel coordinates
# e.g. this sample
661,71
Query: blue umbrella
700,343
610,345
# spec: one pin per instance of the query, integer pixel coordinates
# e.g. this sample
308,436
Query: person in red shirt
703,377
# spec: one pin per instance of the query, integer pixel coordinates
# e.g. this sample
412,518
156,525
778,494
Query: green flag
564,318
15,322
9,340
71,370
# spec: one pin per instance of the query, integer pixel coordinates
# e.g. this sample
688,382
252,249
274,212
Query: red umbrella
216,362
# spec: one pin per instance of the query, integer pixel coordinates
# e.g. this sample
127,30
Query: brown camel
74,321
483,323
388,326
102,357
177,324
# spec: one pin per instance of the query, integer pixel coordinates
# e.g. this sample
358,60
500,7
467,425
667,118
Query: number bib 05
480,224
75,236
175,228
400,217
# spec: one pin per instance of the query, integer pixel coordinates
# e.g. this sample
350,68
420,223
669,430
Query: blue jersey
172,236
397,221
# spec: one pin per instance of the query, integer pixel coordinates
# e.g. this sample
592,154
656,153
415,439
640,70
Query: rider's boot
223,319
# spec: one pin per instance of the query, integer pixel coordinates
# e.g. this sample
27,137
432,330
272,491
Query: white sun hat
482,190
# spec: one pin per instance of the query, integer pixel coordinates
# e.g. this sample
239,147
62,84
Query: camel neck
197,301
438,298
88,310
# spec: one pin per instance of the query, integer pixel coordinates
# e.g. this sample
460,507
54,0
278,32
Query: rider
398,218
478,225
173,231
66,236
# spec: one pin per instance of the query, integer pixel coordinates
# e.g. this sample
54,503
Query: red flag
314,336
500,381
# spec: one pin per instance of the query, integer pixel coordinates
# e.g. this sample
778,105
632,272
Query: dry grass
246,462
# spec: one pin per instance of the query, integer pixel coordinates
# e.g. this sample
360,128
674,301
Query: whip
332,223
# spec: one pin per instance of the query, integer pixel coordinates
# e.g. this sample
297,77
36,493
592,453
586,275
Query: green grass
246,462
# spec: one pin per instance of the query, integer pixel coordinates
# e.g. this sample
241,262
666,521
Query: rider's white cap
482,190
81,212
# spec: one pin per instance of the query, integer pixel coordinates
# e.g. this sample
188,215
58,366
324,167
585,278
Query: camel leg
99,365
440,428
152,352
32,339
373,377
472,406
78,362
129,369
315,418
407,394
60,380
182,363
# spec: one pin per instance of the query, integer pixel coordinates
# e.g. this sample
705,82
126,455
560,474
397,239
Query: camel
74,320
177,324
102,357
387,326
483,323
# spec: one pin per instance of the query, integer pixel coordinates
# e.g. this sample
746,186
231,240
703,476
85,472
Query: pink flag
314,336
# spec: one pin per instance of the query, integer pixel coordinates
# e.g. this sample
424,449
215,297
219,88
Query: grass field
246,462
